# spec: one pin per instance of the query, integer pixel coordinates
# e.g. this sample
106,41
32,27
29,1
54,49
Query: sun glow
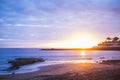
82,42
77,41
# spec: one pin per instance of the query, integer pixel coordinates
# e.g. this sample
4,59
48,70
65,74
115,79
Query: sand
71,71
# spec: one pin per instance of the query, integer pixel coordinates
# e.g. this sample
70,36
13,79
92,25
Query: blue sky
25,23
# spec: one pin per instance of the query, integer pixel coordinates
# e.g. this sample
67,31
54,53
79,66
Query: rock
22,61
110,61
102,58
86,58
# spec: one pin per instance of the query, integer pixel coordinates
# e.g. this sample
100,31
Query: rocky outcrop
110,61
22,61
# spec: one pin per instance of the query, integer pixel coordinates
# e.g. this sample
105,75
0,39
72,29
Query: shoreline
69,71
32,67
39,66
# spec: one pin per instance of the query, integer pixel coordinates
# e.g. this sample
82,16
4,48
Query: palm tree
108,39
115,39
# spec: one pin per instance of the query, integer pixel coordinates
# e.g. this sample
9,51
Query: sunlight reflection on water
53,58
82,53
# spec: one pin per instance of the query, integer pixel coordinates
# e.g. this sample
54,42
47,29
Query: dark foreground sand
73,71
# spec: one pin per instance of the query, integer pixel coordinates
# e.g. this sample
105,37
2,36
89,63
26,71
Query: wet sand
71,71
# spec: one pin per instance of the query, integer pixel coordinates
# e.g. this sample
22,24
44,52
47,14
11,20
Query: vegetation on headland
115,39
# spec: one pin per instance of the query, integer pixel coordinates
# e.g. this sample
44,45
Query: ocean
50,57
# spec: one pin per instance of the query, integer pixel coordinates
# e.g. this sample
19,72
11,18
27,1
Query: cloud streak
47,20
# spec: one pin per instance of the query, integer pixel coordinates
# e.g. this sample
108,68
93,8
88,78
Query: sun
77,41
83,42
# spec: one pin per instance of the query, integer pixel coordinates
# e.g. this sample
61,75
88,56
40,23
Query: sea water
51,57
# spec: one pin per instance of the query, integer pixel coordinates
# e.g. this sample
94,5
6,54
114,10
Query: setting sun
82,42
77,41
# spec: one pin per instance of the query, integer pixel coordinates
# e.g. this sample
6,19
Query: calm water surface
51,57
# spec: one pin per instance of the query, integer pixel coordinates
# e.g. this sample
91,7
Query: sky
46,23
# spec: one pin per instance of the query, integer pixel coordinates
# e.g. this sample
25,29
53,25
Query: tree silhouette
115,39
108,38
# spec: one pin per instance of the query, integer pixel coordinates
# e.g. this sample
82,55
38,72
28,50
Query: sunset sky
57,23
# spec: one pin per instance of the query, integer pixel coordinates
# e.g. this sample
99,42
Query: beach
71,71
59,39
61,65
